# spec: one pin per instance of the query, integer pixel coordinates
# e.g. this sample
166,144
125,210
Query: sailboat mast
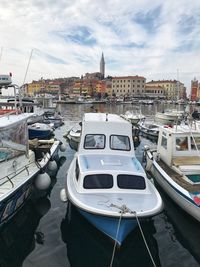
1,53
27,67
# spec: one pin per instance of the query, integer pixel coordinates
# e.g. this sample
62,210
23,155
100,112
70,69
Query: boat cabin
106,133
105,158
179,145
99,172
5,80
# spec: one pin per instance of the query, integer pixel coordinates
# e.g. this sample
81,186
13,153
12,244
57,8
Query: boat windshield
13,141
120,142
94,141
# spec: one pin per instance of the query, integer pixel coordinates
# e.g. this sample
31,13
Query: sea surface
49,233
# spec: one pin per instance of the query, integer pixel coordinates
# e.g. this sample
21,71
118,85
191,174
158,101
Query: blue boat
105,181
40,131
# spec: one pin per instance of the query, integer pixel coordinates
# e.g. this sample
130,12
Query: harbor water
49,233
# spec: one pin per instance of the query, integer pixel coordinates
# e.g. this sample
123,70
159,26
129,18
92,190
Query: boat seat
189,168
179,161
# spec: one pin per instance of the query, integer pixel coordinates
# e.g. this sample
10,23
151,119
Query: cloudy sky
156,39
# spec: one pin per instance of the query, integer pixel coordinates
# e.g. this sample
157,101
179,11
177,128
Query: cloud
147,38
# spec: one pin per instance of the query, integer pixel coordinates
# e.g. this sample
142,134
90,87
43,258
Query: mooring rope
115,244
145,242
124,209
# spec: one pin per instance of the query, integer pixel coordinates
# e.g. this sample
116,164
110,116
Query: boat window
182,143
120,142
98,181
131,181
94,141
77,170
195,143
164,142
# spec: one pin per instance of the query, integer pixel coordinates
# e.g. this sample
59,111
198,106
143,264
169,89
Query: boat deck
179,178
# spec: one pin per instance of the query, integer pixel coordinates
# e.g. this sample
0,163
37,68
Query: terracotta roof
128,77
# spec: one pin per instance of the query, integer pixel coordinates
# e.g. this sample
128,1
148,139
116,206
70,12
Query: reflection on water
186,229
19,236
86,246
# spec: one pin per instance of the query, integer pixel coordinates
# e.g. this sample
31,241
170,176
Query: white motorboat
149,128
74,133
105,181
175,165
133,116
169,116
20,169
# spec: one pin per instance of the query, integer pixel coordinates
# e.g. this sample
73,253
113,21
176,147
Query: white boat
149,128
20,170
133,116
5,80
169,116
105,181
74,133
175,165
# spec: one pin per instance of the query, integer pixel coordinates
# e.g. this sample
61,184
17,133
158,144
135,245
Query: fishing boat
106,182
175,165
40,131
21,171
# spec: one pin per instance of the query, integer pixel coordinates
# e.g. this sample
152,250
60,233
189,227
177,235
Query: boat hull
116,228
11,204
179,195
40,134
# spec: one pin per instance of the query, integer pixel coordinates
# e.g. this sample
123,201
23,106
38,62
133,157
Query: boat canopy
13,136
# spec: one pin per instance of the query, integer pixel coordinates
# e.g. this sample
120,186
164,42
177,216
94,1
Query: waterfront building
154,92
173,89
35,87
195,90
133,86
101,88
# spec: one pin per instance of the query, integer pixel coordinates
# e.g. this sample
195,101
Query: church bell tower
102,67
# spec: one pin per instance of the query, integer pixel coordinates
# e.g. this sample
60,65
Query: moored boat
133,116
149,128
175,165
21,171
40,130
105,181
169,116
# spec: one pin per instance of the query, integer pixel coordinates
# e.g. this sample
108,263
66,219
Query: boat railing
9,179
